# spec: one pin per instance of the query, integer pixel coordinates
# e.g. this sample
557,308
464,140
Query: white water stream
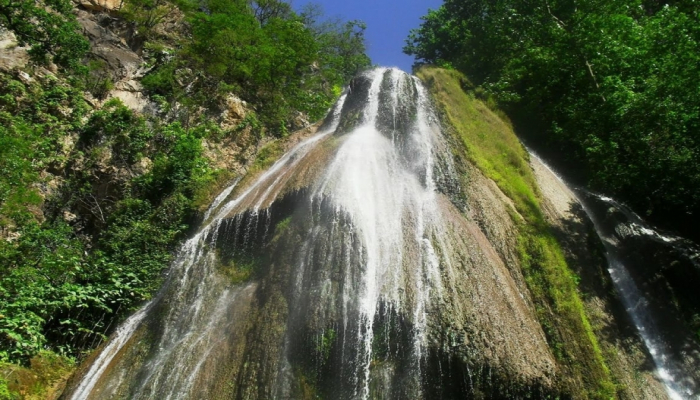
667,369
379,188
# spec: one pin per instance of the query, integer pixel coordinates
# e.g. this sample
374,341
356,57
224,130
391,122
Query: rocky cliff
386,256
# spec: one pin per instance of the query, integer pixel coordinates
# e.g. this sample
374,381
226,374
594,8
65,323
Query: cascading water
679,382
345,271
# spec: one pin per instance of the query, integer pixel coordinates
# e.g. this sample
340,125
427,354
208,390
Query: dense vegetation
93,201
49,27
609,88
282,62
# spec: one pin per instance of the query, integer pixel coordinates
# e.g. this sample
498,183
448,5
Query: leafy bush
62,286
93,206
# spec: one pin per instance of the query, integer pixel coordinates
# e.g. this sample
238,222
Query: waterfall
345,270
679,384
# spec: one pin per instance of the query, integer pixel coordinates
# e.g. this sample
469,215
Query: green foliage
145,15
5,391
33,120
326,342
342,47
48,26
93,205
98,80
283,225
118,126
267,155
609,87
281,62
63,285
42,379
239,268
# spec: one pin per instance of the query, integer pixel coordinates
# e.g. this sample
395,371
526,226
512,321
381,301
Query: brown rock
100,5
234,112
11,55
69,216
24,77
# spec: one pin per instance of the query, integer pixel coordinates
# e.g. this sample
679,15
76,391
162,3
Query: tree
342,49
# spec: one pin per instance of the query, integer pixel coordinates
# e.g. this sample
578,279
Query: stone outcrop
122,66
100,5
12,56
340,272
627,356
235,110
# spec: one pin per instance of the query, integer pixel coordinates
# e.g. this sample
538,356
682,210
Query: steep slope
115,134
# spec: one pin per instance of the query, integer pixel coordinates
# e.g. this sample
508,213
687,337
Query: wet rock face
397,105
665,269
343,272
395,110
659,262
355,103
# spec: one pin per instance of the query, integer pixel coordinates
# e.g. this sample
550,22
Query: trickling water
679,384
196,311
343,271
123,333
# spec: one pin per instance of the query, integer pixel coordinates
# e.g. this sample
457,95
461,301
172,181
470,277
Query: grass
492,146
267,155
282,226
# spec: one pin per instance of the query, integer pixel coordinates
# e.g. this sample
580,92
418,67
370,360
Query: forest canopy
609,89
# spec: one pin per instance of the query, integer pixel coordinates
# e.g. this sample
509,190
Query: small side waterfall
196,308
680,383
345,271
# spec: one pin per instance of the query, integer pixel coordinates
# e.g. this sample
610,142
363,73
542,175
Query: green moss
238,270
283,225
5,393
490,144
325,345
209,187
43,379
267,156
304,387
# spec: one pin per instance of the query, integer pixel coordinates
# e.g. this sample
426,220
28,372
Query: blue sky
388,23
